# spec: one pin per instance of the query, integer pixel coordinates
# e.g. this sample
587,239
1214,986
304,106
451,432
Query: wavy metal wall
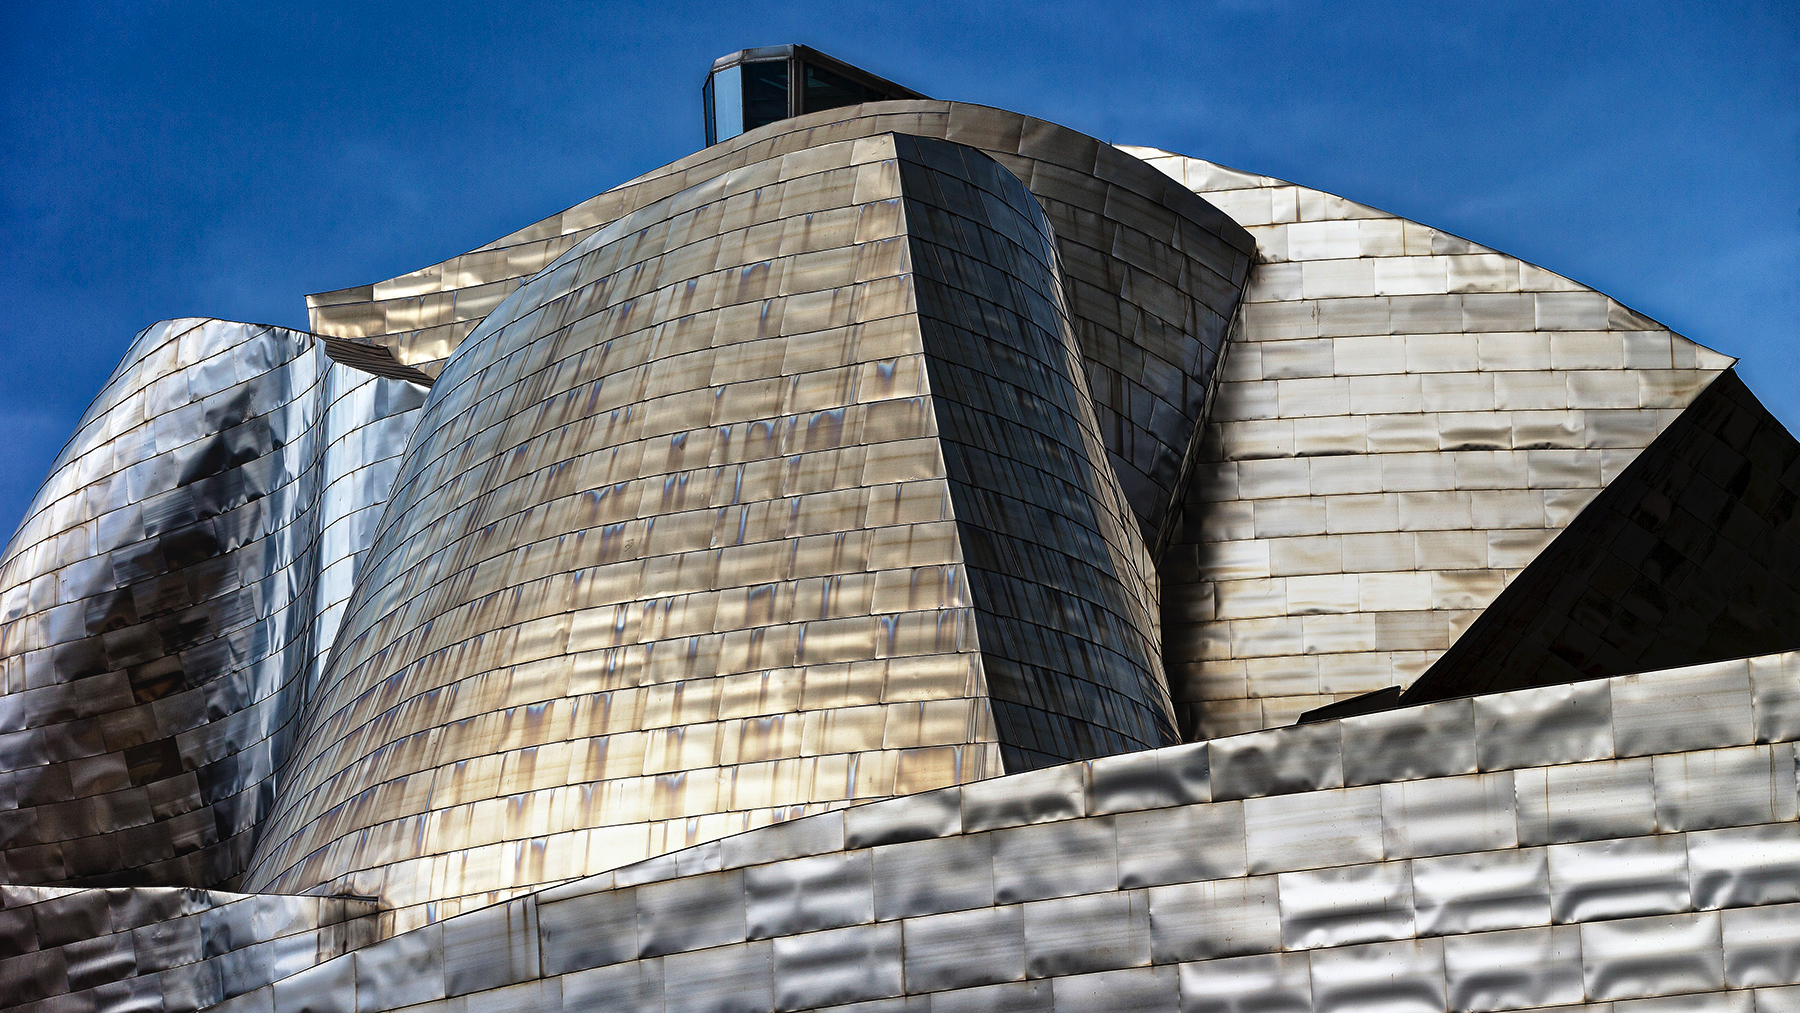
175,582
1616,846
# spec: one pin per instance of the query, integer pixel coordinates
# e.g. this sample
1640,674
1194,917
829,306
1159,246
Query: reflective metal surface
781,592
1152,274
1035,911
172,594
1404,421
840,527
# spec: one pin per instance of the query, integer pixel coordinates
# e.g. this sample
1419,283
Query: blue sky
166,160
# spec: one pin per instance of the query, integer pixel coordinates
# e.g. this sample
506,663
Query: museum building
909,555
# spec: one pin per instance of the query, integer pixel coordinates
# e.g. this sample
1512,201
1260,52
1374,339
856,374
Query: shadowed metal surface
166,600
1691,555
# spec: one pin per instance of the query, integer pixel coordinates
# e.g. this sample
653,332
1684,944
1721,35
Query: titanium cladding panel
165,601
1404,421
726,518
1625,845
1152,273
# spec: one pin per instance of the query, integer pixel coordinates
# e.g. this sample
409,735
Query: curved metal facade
1404,421
793,588
696,536
174,586
1152,274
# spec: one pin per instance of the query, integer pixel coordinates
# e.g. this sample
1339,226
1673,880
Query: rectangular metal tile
1181,844
687,914
1724,787
1091,932
1223,917
1652,956
1762,945
804,894
1481,892
1346,904
1695,708
1551,724
1446,815
1275,982
929,877
725,979
1399,977
1511,970
1055,860
965,948
1585,801
837,966
1150,989
1743,866
1435,740
1336,827
1618,878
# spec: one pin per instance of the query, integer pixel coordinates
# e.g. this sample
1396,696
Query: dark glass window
765,93
712,123
825,90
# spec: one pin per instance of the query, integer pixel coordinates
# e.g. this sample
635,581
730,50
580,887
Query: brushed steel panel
1334,827
1216,918
1618,878
1698,708
397,972
1055,860
1092,932
1151,989
1182,844
1271,982
1479,892
1054,793
689,913
726,979
1744,866
616,988
327,988
965,948
1407,975
1512,970
1176,776
1550,724
1652,956
929,877
1300,758
1775,696
1435,740
837,966
922,816
1762,945
1348,904
1724,787
803,894
1446,815
1585,801
494,946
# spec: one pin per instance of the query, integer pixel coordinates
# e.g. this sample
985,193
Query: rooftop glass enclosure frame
753,87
